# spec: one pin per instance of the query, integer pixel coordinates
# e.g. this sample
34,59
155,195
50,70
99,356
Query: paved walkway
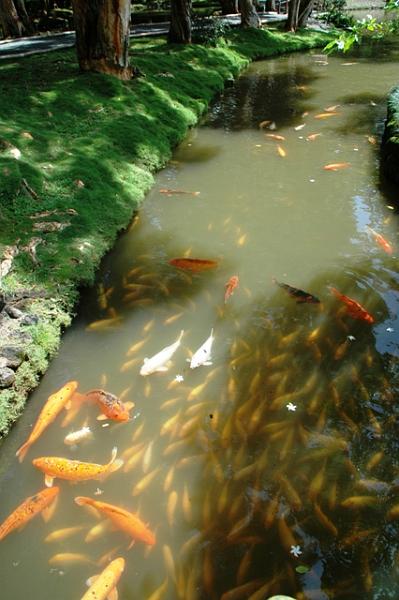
47,43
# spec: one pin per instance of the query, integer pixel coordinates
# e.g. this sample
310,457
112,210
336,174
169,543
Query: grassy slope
111,136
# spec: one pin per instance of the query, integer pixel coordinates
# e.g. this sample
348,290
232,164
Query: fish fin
80,500
131,544
181,335
91,580
207,363
102,417
162,369
68,405
211,332
48,480
145,360
21,452
128,405
188,360
113,595
117,464
48,512
114,464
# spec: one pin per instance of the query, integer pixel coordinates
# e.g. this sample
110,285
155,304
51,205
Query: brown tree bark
102,36
293,14
180,22
305,9
249,16
298,14
10,20
229,7
25,18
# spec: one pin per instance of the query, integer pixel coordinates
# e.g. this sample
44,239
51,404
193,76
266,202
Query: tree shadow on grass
89,144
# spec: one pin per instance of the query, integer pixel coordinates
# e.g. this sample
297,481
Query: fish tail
81,500
334,291
211,332
114,464
21,452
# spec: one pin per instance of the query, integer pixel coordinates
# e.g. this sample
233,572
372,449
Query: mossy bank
77,153
390,140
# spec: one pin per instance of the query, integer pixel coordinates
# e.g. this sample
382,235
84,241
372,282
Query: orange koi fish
281,152
193,264
111,407
336,166
313,136
326,115
50,410
381,241
27,510
354,309
230,286
75,470
170,192
122,519
102,585
275,136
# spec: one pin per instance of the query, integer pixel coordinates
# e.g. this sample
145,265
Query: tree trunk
25,18
304,12
249,16
293,15
102,36
180,22
271,5
10,20
229,7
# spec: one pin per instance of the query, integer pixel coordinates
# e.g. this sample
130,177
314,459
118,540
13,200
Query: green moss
89,145
390,140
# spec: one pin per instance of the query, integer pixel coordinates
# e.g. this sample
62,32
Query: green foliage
368,28
208,31
334,14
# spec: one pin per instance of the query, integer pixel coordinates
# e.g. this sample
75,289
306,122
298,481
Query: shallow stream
290,438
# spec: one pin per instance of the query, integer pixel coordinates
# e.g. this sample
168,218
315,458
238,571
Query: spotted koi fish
354,309
110,405
55,403
300,295
230,286
102,585
122,519
27,510
75,470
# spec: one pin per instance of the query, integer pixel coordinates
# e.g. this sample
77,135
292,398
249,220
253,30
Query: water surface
238,477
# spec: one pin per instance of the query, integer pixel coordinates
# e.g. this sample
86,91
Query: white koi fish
159,361
203,354
75,437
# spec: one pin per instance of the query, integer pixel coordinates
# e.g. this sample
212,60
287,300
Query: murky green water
238,478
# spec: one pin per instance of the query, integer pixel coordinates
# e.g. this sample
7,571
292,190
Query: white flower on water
291,406
296,551
341,44
179,378
351,338
98,492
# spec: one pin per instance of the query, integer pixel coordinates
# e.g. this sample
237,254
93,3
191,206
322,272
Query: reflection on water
273,470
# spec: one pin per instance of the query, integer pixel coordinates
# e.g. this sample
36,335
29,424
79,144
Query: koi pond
274,469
